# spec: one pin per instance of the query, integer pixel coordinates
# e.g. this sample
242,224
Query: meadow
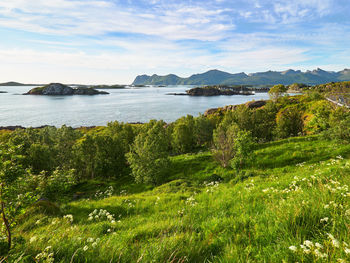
284,207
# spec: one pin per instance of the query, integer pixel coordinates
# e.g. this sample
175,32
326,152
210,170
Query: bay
126,105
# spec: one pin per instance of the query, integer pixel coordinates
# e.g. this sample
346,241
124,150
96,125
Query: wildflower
33,239
308,243
326,206
335,243
320,254
94,244
293,248
346,250
85,248
318,245
307,251
69,218
324,219
90,240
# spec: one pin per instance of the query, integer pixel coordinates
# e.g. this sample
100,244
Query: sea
130,105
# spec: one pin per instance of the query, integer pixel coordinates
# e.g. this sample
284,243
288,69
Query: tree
148,157
277,91
231,143
203,131
289,122
14,191
183,138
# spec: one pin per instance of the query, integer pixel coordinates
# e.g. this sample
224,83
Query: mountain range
217,77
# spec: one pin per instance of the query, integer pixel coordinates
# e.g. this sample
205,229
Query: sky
113,41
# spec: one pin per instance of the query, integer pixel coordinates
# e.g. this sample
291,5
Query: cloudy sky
112,41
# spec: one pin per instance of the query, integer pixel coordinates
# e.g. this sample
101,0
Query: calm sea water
127,105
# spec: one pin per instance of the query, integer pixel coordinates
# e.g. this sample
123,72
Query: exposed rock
1,91
210,111
217,91
60,89
256,104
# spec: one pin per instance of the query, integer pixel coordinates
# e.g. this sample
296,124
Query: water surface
127,105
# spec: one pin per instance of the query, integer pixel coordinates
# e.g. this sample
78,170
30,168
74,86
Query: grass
280,199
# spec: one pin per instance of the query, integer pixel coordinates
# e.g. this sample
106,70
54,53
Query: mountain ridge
218,77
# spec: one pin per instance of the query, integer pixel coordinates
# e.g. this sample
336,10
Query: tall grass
294,190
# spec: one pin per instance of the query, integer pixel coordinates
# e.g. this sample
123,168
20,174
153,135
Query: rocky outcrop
256,104
219,111
63,90
216,91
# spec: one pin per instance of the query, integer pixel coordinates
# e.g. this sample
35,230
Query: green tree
148,157
203,131
231,143
339,125
183,137
289,122
14,192
277,91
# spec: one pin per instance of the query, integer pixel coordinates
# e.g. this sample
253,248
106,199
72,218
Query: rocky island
59,89
216,91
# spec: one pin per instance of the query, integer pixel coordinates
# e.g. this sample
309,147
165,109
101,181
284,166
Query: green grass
253,215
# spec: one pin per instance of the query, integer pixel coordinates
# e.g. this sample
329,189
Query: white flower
307,251
85,248
319,254
90,240
346,250
69,218
335,243
33,239
324,219
308,243
94,244
318,245
293,248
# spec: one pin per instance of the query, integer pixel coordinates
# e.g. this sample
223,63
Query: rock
59,89
256,104
217,91
210,111
1,91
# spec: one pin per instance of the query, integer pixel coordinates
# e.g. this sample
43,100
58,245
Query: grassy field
289,204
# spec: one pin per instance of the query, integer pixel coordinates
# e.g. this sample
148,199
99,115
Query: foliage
231,143
339,125
277,91
289,122
183,135
148,156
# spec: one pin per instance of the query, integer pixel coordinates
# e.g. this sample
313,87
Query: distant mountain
217,77
12,83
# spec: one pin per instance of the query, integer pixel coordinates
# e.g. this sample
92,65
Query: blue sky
112,41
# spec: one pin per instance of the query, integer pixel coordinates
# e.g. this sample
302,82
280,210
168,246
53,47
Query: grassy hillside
293,195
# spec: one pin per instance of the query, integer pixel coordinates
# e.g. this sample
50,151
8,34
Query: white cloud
173,21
